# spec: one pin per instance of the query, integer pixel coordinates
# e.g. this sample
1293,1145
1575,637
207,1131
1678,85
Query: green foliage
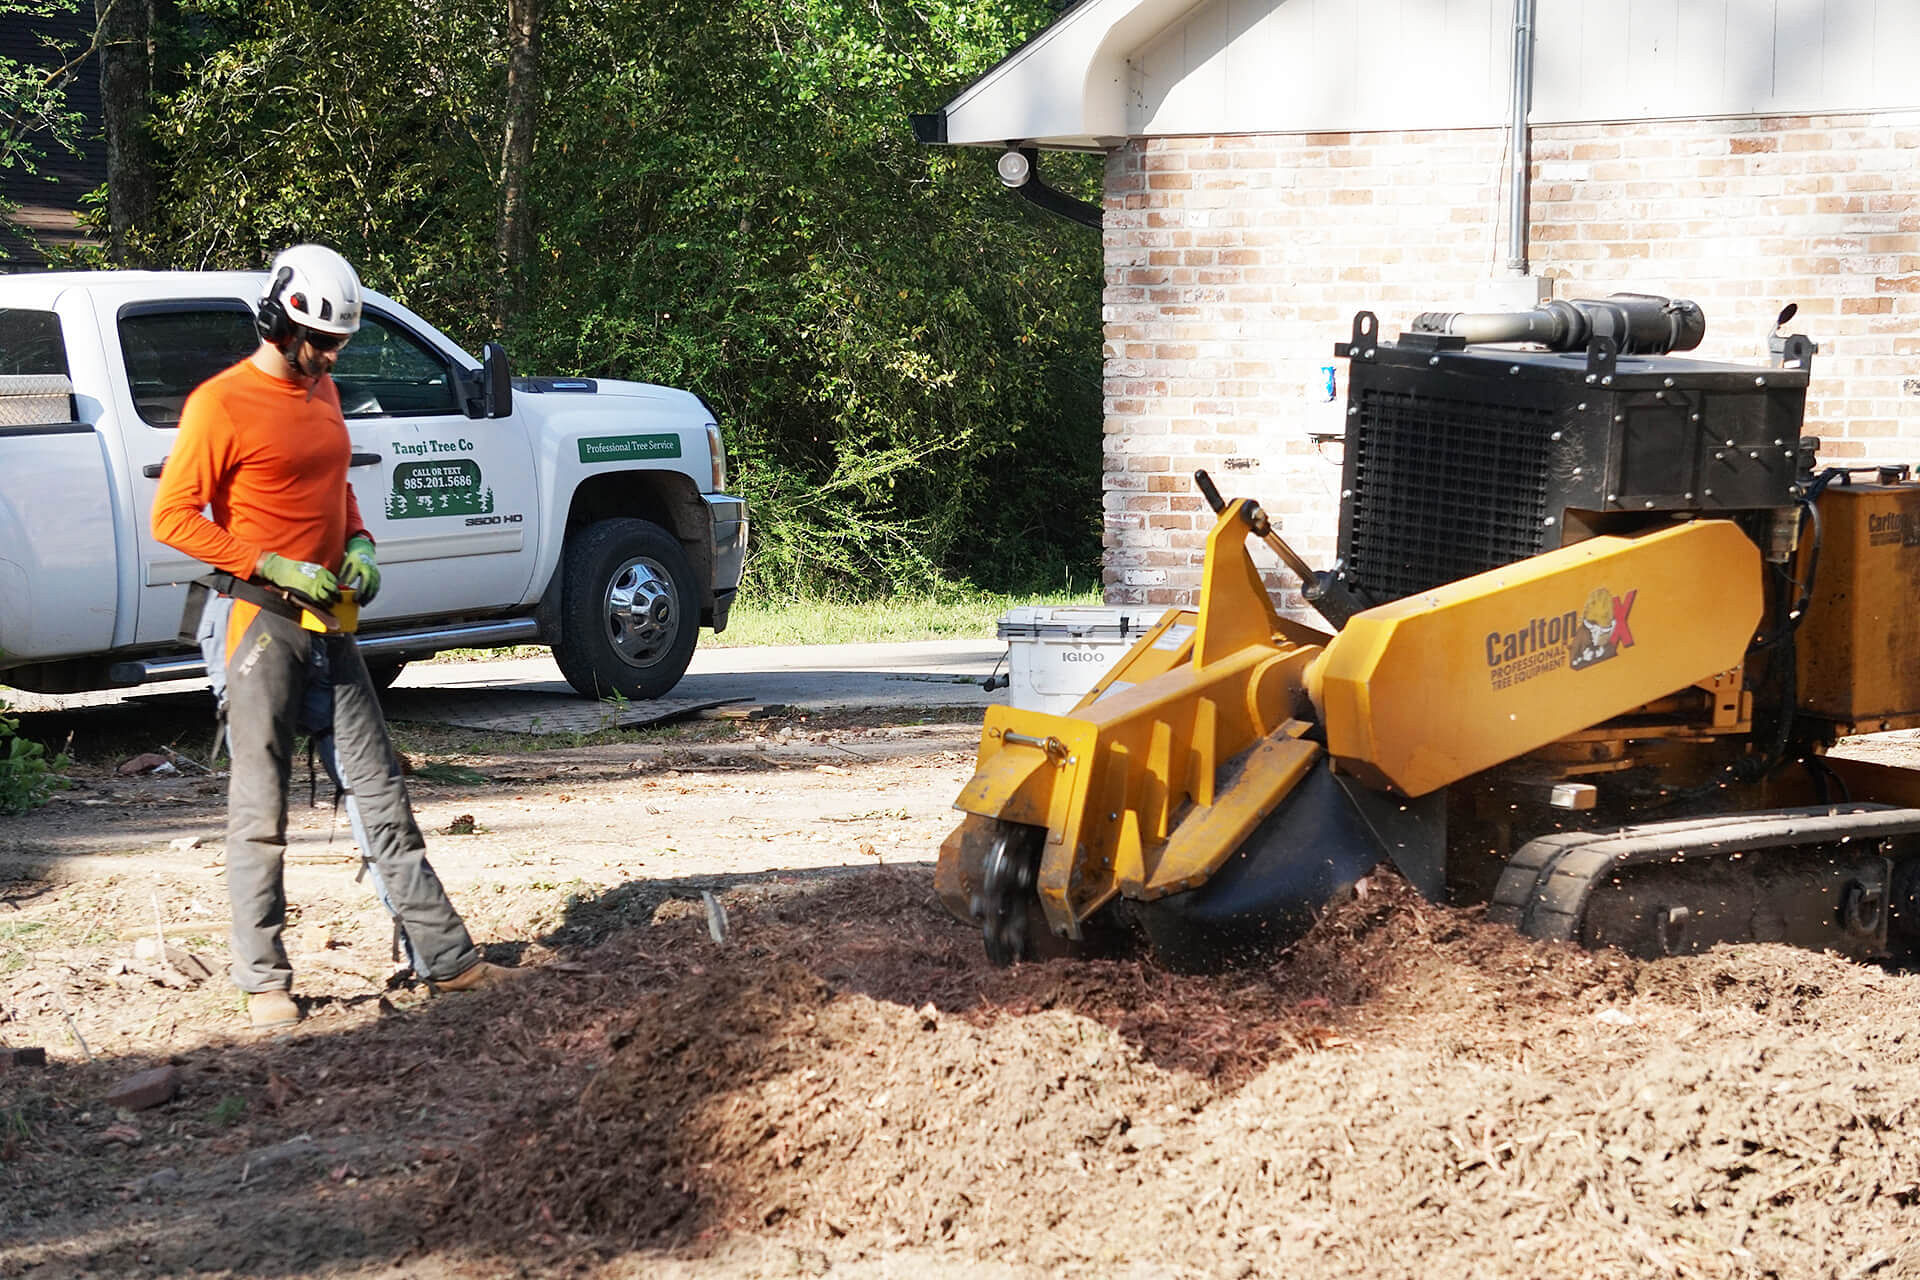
34,112
452,774
27,774
727,198
941,616
885,331
350,124
16,941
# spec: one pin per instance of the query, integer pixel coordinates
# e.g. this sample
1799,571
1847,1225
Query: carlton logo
1596,633
1892,529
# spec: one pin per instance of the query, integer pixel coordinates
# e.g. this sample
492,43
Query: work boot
271,1010
479,976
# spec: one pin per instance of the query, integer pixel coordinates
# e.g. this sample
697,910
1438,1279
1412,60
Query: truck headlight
718,452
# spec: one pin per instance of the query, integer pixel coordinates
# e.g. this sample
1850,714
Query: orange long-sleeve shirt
270,461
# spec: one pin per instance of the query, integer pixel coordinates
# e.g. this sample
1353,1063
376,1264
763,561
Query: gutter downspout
1051,198
1019,170
1518,233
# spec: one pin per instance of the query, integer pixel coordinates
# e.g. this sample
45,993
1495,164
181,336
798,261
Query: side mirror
496,382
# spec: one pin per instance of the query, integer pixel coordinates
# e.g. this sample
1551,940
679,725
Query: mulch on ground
1411,1091
847,1087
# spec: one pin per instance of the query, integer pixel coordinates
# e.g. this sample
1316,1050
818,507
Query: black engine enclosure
1460,459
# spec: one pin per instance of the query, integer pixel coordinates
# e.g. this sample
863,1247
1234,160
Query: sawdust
1412,1092
847,1088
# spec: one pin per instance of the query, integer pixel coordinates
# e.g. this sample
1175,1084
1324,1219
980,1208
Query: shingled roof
49,200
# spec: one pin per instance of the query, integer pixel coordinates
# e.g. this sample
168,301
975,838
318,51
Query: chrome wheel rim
643,615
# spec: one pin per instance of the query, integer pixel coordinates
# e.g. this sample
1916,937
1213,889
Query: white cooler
1054,655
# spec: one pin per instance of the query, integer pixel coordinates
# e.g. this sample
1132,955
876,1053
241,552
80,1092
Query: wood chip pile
1411,1091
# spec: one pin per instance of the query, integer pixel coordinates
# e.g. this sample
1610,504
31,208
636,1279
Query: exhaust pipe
1638,323
1520,105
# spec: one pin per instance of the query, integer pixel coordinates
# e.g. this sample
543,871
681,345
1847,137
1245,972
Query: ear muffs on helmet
270,318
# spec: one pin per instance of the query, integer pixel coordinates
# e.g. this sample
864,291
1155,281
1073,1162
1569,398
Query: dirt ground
844,1087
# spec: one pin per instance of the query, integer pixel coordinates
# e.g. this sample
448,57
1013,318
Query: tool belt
310,614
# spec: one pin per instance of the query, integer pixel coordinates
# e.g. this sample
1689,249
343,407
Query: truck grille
1444,489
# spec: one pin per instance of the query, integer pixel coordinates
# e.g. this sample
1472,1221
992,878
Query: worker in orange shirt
264,447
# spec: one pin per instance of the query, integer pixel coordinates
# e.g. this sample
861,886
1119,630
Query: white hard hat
313,287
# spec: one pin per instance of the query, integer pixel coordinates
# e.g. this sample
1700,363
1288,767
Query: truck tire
628,610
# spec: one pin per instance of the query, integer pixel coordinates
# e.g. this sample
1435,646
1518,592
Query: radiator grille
1444,489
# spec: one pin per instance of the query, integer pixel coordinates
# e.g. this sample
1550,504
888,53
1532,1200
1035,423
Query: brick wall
1234,264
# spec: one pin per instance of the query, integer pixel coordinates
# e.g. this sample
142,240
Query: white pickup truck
583,513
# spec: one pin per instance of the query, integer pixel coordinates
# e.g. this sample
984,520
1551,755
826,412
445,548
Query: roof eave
1066,88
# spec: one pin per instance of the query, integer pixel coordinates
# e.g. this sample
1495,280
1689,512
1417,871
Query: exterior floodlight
1019,170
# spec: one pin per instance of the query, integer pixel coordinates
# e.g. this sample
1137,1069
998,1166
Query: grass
944,616
454,774
490,655
14,957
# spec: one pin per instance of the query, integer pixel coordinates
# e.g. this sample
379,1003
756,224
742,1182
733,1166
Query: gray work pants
283,678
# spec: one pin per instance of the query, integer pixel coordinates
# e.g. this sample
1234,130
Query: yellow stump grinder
1597,615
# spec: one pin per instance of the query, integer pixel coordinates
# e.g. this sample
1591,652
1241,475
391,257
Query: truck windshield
30,343
170,352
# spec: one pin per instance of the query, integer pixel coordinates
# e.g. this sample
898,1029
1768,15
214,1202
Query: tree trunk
514,245
125,37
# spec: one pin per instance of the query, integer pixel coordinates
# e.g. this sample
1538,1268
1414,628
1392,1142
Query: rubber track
1544,890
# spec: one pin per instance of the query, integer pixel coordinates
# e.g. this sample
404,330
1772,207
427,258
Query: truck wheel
628,612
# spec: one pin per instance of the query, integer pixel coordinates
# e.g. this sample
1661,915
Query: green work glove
360,570
309,579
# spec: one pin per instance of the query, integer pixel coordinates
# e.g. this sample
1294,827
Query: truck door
451,500
155,353
461,549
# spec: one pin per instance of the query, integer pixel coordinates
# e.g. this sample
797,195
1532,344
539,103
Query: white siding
1291,66
1286,66
1664,58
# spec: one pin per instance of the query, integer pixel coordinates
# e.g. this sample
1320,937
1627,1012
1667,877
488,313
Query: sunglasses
326,341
